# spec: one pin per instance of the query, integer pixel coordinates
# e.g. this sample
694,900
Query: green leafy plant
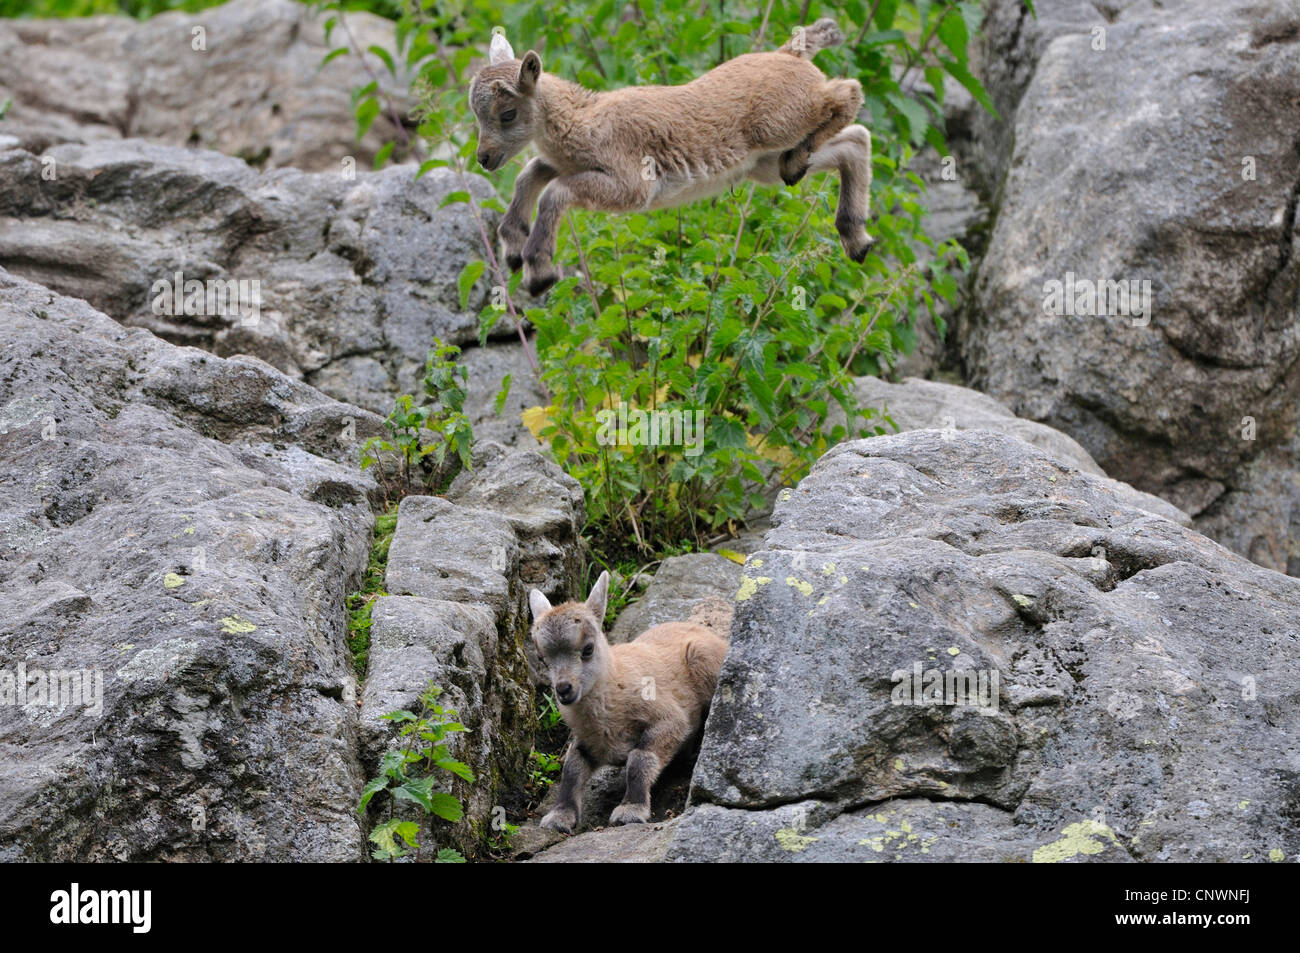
410,774
548,715
740,313
500,841
360,603
546,769
424,434
86,8
143,9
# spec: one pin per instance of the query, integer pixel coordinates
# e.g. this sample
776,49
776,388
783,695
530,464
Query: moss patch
361,602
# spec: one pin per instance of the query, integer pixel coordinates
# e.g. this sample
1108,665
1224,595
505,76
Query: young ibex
636,703
770,117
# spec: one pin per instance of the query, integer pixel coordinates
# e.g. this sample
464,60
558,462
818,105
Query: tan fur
771,117
633,704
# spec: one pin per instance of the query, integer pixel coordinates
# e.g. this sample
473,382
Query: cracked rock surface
1144,673
355,276
178,531
1155,142
458,575
251,85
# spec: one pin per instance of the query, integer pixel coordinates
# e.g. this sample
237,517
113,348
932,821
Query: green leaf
915,118
883,37
419,791
428,165
934,136
468,275
367,113
458,768
729,433
386,834
499,402
962,75
370,790
446,807
392,765
934,76
952,33
384,55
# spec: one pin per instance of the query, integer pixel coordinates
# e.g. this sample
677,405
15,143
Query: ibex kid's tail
808,41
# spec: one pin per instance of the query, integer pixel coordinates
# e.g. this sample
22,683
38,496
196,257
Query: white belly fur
679,188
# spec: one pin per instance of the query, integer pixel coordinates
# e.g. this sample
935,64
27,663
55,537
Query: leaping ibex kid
771,117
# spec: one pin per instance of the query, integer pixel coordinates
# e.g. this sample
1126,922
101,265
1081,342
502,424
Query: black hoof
541,284
860,253
514,262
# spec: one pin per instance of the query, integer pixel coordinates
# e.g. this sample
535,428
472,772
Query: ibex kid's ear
499,50
599,596
538,603
530,70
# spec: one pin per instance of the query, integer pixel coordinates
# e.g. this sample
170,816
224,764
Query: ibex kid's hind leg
592,190
850,153
513,230
843,101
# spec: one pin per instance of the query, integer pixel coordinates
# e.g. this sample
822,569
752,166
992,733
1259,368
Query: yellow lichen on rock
790,839
795,583
1080,838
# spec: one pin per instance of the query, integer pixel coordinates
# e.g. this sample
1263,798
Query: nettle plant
737,308
410,774
423,434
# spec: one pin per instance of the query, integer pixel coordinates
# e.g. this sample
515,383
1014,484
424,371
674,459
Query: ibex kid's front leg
592,190
578,766
514,229
652,754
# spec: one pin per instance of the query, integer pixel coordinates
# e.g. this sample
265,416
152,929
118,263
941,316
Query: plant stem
762,29
595,54
379,90
866,24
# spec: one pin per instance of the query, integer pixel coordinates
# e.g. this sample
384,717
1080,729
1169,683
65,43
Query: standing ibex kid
633,704
770,117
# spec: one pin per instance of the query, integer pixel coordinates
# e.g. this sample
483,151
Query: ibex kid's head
571,641
501,95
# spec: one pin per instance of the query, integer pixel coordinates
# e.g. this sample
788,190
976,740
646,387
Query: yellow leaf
731,554
537,419
778,455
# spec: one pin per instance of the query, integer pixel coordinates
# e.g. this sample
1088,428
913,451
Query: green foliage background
143,9
743,306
